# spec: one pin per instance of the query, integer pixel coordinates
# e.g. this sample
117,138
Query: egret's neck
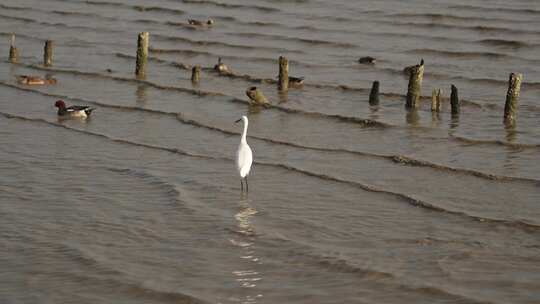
244,134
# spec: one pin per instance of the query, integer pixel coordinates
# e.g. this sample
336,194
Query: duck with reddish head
72,111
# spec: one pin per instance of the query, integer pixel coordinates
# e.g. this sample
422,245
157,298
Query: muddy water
347,203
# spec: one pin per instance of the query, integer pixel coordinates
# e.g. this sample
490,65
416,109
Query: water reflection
454,122
511,133
244,217
141,94
374,113
412,117
63,120
254,109
283,96
435,119
13,70
249,276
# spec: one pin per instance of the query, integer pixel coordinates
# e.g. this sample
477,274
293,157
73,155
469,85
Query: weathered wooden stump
142,54
47,53
196,74
414,89
13,52
256,96
283,81
436,100
374,94
455,104
512,96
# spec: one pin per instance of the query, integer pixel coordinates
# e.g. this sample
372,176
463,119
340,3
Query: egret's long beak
238,120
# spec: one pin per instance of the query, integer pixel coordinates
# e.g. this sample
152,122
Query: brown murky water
348,203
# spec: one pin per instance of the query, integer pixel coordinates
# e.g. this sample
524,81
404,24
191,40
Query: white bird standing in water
244,156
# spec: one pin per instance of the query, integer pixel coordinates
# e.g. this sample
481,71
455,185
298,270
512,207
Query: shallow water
348,203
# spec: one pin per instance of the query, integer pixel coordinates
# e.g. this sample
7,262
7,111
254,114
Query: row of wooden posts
47,52
413,90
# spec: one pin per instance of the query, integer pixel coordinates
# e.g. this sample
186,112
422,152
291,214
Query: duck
72,111
257,97
221,67
209,22
296,81
367,60
35,80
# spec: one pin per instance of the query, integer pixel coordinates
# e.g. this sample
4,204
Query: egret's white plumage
244,156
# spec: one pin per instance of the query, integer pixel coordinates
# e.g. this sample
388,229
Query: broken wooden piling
196,74
47,53
436,100
283,81
512,96
374,94
454,100
142,54
13,52
414,89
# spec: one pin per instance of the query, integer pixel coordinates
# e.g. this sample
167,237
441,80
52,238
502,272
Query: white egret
244,156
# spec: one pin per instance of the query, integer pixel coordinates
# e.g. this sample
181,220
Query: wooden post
196,74
512,96
436,100
47,53
13,52
454,100
283,83
374,94
256,96
142,54
414,89
141,93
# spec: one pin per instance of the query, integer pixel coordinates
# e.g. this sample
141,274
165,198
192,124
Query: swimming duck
221,67
35,80
296,81
200,23
257,97
73,111
367,60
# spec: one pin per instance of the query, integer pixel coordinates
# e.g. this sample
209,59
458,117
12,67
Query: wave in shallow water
404,197
484,9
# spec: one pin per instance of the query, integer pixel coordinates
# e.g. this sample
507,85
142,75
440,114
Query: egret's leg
241,185
247,187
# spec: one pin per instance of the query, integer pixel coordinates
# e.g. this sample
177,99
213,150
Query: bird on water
244,156
73,111
200,23
296,81
221,67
